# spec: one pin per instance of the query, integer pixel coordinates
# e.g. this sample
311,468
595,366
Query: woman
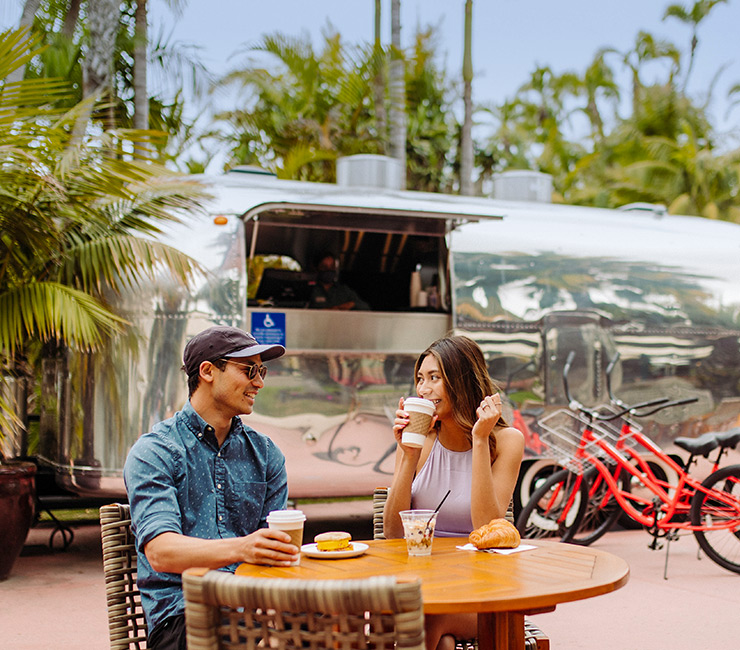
470,450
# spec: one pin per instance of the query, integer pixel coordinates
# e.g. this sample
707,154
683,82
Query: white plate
311,550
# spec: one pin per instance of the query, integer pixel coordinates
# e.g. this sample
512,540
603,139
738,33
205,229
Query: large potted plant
17,478
17,503
76,220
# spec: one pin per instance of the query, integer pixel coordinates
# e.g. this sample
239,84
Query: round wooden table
501,589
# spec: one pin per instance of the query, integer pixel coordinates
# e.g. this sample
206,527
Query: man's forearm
173,553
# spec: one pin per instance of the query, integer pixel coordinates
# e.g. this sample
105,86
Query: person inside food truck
329,293
201,483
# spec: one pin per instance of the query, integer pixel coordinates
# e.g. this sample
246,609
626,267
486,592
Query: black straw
436,510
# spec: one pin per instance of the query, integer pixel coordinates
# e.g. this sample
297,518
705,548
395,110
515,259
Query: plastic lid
419,404
277,516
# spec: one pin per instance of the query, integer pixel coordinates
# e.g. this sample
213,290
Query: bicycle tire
531,478
548,514
597,520
721,546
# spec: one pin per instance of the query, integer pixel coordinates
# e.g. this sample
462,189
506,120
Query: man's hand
269,546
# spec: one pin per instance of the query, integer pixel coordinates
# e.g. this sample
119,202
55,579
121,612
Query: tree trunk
97,66
102,19
141,98
397,92
70,20
466,140
29,10
379,83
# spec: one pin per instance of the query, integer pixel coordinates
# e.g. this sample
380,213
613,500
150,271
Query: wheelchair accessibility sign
268,328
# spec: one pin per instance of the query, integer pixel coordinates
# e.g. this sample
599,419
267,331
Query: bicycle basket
562,432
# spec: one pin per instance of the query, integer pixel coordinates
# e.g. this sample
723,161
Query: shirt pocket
244,501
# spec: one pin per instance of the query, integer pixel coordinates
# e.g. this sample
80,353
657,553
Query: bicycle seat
700,446
729,438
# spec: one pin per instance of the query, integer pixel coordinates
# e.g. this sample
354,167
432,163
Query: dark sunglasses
251,369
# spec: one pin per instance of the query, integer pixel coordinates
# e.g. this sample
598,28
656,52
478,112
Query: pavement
56,599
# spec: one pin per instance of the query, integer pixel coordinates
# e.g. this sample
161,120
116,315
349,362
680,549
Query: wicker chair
126,622
224,611
534,638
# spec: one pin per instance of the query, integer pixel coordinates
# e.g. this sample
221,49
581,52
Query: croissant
497,533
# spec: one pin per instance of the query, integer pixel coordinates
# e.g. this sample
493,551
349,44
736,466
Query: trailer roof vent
523,185
251,169
656,209
369,170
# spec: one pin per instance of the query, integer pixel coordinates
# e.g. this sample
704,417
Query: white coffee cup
291,522
420,419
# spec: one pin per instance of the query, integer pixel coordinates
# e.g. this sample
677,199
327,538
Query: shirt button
218,486
220,518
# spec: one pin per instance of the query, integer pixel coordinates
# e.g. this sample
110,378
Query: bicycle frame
667,506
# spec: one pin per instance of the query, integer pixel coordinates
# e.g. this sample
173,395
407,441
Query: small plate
358,548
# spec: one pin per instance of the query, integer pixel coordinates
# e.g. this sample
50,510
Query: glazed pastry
498,533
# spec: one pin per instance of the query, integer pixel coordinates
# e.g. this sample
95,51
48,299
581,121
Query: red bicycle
604,466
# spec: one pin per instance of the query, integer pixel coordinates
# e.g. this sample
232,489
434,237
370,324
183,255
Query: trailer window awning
368,219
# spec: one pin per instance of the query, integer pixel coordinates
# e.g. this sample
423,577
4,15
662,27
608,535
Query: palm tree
432,129
397,92
466,139
76,220
97,65
647,48
141,63
598,84
109,50
379,83
304,111
692,16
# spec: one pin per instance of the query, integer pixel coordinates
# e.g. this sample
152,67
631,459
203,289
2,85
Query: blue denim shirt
179,480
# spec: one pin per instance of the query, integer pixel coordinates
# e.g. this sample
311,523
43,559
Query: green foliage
301,108
76,217
307,108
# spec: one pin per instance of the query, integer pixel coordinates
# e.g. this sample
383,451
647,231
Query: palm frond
49,310
121,261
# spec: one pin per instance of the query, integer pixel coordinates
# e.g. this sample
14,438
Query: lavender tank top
446,470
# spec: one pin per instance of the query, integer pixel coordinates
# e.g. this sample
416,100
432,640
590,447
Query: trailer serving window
378,252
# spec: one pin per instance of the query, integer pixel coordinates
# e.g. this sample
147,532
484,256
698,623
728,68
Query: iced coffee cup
418,529
420,419
291,522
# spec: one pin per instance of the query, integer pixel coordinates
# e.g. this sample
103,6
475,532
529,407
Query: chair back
380,496
225,611
126,623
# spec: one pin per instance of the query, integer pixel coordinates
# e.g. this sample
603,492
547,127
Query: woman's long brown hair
466,380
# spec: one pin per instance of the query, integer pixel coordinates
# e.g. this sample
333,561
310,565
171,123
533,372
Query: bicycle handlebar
677,402
659,403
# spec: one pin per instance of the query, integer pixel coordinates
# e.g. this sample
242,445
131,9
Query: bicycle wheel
721,546
601,512
555,507
531,478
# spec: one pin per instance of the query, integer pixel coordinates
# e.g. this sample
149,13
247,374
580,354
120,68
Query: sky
510,37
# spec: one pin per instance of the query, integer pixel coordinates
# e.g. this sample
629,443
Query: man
201,483
328,292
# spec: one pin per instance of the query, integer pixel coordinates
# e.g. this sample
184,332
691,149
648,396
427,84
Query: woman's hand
489,412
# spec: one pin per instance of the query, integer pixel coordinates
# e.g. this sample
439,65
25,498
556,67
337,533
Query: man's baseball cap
221,342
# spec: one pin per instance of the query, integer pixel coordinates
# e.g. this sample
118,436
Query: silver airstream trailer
529,281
